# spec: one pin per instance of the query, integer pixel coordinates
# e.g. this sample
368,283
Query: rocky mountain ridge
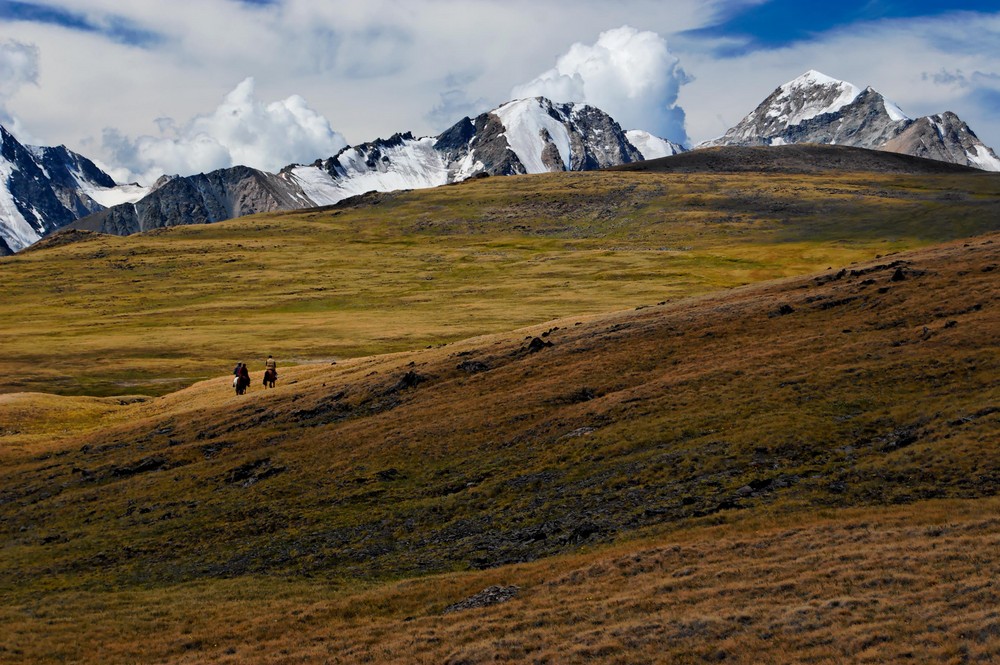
199,199
521,136
43,189
46,189
815,108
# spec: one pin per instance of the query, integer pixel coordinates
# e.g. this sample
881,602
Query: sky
150,87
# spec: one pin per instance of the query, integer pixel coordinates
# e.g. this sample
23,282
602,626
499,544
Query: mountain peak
45,188
813,77
810,95
816,108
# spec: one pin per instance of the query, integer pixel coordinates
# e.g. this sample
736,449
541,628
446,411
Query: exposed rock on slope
199,199
521,136
815,108
43,189
946,138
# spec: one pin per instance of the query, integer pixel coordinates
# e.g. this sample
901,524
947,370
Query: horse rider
270,365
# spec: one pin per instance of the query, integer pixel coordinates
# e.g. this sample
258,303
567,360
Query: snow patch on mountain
400,163
652,147
894,111
984,158
15,230
112,196
530,129
792,108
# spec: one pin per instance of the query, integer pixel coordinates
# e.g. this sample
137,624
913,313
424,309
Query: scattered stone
582,395
900,437
213,449
409,380
784,310
388,475
898,275
493,595
537,344
472,366
982,413
146,464
830,304
253,472
579,431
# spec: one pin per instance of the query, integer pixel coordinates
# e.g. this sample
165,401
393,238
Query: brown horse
241,383
270,376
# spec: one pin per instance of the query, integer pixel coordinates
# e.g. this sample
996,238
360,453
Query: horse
241,383
270,376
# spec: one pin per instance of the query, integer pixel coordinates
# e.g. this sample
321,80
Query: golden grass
893,585
803,470
153,313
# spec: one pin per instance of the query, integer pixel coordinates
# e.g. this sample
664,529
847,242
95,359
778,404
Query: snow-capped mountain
522,136
519,137
652,147
944,137
43,189
815,108
199,199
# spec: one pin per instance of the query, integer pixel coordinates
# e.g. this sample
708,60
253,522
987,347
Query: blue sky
189,85
112,27
782,22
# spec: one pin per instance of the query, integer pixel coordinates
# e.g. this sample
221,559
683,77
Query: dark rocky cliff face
45,189
32,191
199,199
599,141
864,123
595,139
944,137
491,148
60,164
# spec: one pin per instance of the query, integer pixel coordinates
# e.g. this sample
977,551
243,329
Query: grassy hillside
803,470
154,313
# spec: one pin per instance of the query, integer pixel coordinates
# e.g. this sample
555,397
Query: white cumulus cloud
627,73
18,67
241,131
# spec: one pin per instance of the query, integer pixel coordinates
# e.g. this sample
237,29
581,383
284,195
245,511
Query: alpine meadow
740,405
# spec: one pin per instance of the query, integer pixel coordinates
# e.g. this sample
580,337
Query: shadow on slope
803,158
